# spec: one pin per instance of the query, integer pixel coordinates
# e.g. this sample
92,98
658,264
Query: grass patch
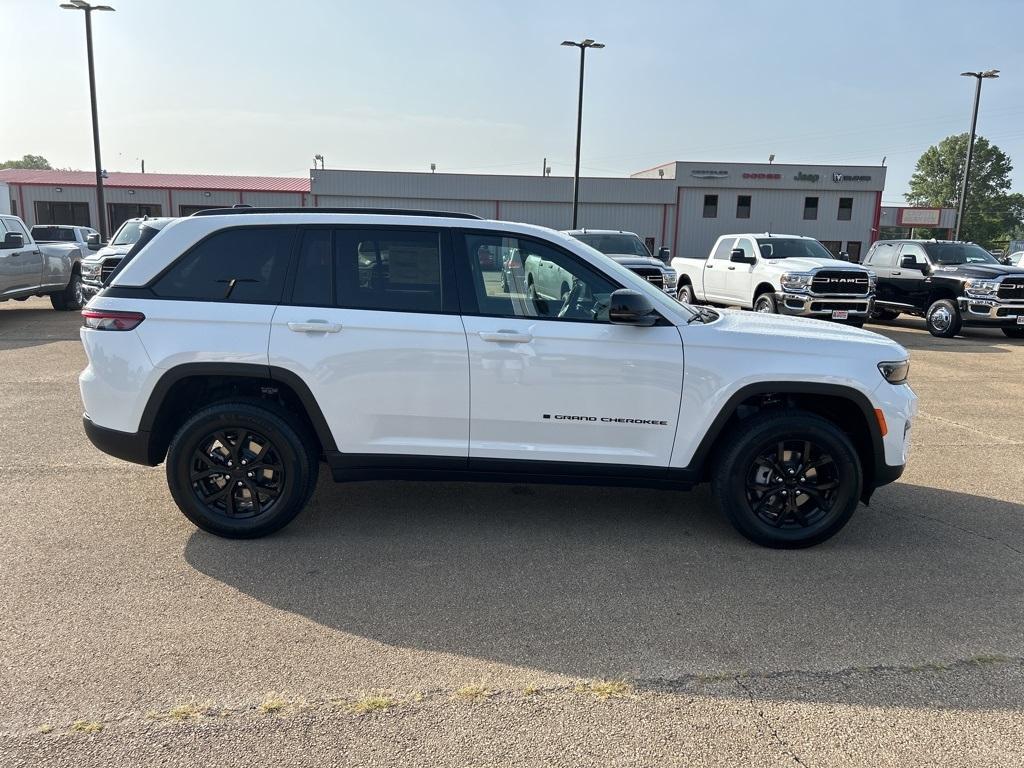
473,692
990,658
606,689
86,726
45,728
532,690
180,712
368,704
276,704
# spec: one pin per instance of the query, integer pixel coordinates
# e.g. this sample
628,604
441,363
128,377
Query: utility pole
979,76
582,45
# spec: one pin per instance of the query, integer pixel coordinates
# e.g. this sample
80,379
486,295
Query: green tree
991,210
33,162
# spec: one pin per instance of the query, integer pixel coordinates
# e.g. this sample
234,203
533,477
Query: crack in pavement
780,742
881,509
989,435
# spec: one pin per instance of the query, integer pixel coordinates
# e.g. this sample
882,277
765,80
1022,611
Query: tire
1014,333
765,304
743,479
685,294
884,315
72,296
226,436
943,319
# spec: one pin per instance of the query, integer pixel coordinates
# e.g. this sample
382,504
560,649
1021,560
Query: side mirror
629,307
843,256
93,241
13,240
739,256
911,262
665,254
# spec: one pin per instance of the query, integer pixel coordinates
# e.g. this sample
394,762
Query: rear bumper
990,312
128,446
809,305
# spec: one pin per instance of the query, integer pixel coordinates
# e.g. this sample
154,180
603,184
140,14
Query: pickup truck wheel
72,297
765,303
240,470
788,479
1014,333
943,319
685,294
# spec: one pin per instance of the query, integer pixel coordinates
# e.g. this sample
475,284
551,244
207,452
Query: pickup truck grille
1012,288
109,265
827,282
652,275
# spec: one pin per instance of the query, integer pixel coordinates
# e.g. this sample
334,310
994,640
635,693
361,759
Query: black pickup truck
950,284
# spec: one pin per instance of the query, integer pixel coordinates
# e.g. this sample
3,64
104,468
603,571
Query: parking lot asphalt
458,624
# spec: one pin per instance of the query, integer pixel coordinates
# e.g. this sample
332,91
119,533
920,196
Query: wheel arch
187,388
763,288
848,408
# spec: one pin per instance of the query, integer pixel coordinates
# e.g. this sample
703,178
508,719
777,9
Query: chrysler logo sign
708,174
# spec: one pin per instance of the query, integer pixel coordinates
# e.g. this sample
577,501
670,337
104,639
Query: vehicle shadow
650,586
33,322
911,333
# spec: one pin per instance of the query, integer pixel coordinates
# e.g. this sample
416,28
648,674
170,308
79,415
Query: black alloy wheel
792,483
237,473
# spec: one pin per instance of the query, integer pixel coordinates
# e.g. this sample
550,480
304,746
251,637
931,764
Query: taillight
111,320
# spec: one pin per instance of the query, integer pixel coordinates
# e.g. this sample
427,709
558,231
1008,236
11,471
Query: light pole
81,5
583,45
979,76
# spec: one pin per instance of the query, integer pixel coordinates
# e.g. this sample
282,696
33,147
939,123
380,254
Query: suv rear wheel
788,479
943,319
241,470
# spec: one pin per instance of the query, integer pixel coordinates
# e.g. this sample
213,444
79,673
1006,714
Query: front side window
884,255
745,245
535,280
724,249
710,206
245,265
845,208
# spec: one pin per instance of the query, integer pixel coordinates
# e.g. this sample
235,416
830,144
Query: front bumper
813,305
991,312
90,289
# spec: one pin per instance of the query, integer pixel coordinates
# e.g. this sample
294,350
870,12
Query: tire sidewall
954,325
289,446
766,299
685,294
731,480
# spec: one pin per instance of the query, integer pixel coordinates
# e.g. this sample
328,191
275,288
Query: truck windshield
128,234
959,253
43,234
792,248
616,244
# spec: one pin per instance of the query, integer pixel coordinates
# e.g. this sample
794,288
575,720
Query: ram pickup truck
97,267
777,274
28,268
950,284
86,238
631,252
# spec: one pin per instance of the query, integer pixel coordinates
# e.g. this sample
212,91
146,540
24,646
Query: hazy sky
259,87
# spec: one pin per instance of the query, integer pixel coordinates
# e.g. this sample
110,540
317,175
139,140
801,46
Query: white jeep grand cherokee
243,347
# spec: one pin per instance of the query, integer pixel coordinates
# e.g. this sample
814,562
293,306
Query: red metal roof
156,180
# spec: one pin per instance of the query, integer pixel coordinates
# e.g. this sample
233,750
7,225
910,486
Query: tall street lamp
583,45
81,5
979,76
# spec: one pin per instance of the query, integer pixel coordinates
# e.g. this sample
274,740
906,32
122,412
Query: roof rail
376,211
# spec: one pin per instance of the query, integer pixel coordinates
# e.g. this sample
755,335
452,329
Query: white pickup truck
783,274
28,268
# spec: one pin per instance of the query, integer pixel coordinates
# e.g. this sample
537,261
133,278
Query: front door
21,269
909,281
373,328
551,379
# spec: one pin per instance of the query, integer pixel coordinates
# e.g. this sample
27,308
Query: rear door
551,379
372,326
881,261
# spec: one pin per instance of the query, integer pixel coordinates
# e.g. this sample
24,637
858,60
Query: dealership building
684,206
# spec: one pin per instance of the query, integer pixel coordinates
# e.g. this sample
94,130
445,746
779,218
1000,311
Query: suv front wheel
241,470
788,479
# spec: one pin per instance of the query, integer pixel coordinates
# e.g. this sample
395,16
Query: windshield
959,253
792,248
128,234
44,234
618,244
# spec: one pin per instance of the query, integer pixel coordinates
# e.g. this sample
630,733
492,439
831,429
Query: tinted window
845,208
810,208
314,280
884,255
536,281
959,253
53,234
724,249
743,206
239,265
14,225
745,245
710,206
388,269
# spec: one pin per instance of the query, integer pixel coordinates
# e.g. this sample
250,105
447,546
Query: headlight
981,287
872,281
91,271
895,372
669,274
796,281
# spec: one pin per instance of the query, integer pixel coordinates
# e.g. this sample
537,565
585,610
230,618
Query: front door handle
896,272
506,336
315,326
732,267
708,266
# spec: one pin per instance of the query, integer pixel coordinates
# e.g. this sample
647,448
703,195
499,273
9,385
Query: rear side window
237,265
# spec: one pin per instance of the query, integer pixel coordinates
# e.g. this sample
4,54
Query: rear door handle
506,336
896,272
732,267
315,326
